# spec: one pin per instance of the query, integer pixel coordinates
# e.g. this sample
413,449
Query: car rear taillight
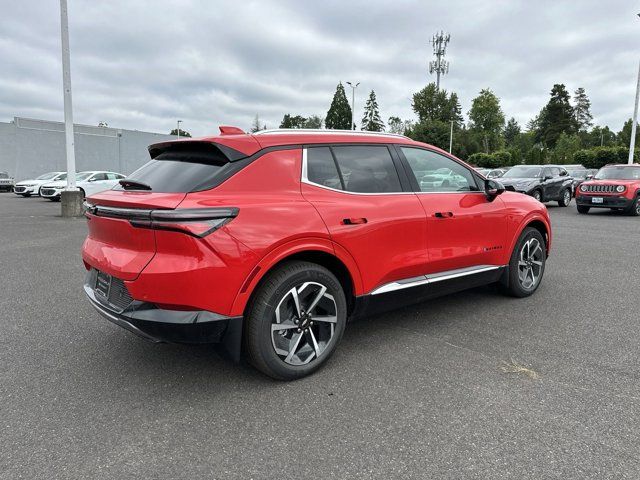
198,222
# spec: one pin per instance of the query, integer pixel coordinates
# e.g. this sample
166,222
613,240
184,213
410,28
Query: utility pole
179,122
353,103
71,197
439,66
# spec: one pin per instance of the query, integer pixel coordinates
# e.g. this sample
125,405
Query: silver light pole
635,121
353,103
66,85
71,198
179,122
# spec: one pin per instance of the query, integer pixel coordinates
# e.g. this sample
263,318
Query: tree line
562,133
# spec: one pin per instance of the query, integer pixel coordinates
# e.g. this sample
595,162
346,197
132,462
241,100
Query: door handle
354,221
443,214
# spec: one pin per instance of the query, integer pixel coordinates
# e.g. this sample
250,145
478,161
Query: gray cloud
143,65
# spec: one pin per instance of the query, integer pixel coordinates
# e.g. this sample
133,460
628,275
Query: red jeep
269,242
614,186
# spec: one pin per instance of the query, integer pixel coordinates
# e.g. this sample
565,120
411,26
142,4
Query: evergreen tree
371,120
487,120
256,126
582,110
558,117
183,133
339,114
511,132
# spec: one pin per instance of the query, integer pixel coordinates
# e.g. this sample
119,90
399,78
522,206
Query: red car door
464,227
362,195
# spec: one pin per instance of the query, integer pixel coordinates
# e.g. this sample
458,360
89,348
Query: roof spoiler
227,130
212,150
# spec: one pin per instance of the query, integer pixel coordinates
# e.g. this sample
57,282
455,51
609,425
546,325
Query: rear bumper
160,325
611,201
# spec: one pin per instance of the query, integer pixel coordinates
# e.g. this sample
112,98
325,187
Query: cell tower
440,66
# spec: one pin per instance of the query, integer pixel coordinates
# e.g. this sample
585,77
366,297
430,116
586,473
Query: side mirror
548,177
493,188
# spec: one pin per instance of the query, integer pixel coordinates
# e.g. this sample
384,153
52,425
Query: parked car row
6,182
50,185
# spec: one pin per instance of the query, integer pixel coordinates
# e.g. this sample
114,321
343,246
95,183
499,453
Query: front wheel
565,198
537,195
527,263
295,320
634,209
582,209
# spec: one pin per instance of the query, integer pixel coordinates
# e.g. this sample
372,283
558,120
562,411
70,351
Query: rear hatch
121,239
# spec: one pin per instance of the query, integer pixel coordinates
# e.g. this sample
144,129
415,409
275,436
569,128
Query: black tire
516,287
582,209
565,198
634,208
537,194
275,292
84,195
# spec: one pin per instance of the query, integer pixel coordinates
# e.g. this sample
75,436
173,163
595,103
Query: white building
30,147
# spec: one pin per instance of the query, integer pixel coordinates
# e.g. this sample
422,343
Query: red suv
614,186
268,243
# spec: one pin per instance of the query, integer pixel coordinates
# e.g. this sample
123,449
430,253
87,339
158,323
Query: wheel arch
322,253
540,224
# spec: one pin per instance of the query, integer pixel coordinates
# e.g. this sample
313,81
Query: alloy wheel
530,263
537,195
566,197
304,323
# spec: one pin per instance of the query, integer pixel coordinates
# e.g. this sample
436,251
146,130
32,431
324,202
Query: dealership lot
421,392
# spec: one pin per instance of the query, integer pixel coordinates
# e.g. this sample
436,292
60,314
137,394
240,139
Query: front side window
367,169
437,173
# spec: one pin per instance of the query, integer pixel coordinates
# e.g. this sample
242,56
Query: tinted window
367,169
321,168
184,171
437,173
555,171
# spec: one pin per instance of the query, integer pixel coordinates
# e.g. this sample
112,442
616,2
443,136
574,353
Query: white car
6,182
26,188
88,183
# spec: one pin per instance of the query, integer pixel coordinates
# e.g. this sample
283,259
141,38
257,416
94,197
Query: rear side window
185,170
321,168
367,169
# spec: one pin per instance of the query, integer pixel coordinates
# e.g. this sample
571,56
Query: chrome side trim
433,278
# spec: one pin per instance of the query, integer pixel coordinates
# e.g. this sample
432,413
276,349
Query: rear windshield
183,172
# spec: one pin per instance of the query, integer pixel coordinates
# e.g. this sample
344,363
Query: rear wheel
527,263
583,209
565,198
295,321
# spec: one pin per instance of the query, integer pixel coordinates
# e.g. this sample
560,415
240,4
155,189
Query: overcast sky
143,65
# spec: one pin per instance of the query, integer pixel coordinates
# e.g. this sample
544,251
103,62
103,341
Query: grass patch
518,368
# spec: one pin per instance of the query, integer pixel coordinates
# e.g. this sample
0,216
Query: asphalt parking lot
419,393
